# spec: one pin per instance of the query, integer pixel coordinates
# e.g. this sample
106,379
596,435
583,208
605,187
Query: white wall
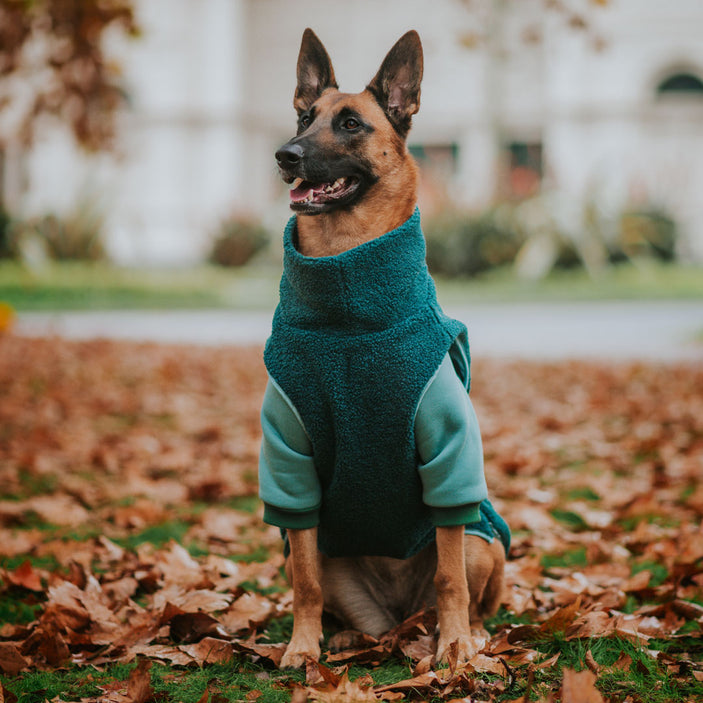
179,164
211,84
607,134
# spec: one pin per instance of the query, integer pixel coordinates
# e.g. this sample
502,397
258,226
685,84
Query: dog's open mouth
304,194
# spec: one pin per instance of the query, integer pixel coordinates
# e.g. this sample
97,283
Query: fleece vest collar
369,288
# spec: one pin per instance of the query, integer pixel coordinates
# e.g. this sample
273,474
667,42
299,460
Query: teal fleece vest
355,340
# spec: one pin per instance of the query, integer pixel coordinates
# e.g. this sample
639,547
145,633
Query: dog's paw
297,655
453,652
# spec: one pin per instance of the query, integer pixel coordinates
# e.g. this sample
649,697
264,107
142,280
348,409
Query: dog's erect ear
315,72
396,86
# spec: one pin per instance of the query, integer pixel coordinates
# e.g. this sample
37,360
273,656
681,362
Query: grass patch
644,281
247,504
642,678
34,484
585,493
48,562
659,573
574,559
157,535
231,681
569,518
16,611
100,286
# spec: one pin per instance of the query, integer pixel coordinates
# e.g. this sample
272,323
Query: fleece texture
347,329
447,439
490,526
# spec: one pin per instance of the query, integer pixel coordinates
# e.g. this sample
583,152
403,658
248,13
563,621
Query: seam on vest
292,407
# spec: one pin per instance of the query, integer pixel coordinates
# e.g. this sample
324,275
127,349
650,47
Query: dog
352,180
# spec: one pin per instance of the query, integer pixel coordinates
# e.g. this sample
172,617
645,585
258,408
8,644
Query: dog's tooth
296,183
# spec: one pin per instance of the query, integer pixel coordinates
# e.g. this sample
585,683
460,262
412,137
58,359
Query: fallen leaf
25,576
209,650
273,653
11,661
579,687
139,689
247,612
6,696
487,665
192,627
343,690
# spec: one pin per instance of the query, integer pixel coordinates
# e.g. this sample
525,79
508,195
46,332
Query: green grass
100,286
158,535
17,611
232,681
644,679
576,558
645,281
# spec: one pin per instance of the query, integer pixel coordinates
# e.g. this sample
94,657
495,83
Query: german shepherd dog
352,179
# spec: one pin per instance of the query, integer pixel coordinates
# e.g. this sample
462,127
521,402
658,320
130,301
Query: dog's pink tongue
301,192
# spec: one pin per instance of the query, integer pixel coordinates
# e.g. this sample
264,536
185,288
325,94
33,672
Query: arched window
678,84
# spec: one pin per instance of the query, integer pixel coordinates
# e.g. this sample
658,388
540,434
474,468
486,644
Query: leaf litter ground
134,565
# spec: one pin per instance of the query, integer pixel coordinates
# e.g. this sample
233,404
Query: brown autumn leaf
11,661
608,445
579,687
595,623
423,683
249,611
52,647
364,656
6,696
168,653
139,689
418,648
192,627
25,576
483,664
209,650
343,690
273,653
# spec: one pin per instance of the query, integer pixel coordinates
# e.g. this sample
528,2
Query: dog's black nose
289,155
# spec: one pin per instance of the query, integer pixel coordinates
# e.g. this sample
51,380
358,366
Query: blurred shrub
6,249
76,236
237,240
646,232
464,244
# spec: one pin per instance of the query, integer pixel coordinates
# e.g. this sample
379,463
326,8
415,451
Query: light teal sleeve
288,483
450,451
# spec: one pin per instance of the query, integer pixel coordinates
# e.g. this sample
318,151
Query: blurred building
599,100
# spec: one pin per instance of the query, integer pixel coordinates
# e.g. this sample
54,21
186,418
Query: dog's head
346,144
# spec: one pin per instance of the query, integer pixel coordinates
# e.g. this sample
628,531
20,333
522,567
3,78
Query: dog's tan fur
461,574
386,206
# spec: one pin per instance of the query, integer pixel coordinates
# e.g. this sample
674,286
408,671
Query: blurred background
554,136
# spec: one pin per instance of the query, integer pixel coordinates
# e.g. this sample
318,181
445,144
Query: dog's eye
304,121
351,124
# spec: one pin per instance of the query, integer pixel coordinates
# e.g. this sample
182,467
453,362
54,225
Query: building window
524,162
680,84
439,159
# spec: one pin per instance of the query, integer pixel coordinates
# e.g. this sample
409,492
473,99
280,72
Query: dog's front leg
307,598
452,595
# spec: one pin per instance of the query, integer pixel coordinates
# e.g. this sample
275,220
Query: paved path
668,331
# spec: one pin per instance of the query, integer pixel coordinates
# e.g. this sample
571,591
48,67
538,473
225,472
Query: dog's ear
396,86
315,72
